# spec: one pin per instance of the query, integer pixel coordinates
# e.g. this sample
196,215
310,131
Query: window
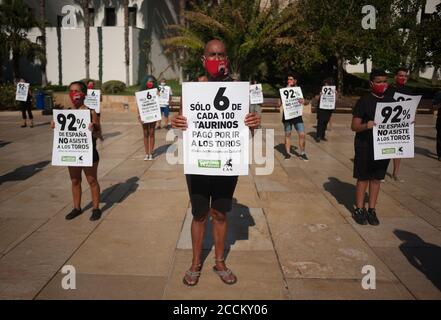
132,16
91,17
110,17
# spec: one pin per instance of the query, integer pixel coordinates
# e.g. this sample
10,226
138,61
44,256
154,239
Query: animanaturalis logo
209,164
68,159
388,151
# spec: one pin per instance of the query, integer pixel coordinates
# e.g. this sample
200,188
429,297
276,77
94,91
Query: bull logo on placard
228,166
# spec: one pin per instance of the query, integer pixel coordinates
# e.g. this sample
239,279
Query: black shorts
365,167
95,155
218,189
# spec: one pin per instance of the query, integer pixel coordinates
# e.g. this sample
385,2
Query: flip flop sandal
224,274
193,275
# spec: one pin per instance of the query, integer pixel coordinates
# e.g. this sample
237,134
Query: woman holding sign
77,94
367,171
211,195
26,106
148,129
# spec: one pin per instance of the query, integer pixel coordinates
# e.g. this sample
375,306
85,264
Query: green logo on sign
388,151
68,159
209,163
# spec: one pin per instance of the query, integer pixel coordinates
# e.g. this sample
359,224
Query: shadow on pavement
239,222
116,193
23,172
424,256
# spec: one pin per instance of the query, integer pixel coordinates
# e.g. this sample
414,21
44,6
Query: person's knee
202,218
218,216
93,182
302,135
76,182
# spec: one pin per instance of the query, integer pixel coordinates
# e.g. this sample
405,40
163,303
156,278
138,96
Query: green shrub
113,86
56,88
7,97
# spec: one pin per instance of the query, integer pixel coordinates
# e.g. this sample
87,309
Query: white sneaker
146,157
151,157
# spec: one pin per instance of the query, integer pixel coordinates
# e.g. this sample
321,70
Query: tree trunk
15,65
181,52
43,41
85,5
435,76
126,41
340,73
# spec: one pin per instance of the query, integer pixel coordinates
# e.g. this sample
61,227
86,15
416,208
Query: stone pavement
291,235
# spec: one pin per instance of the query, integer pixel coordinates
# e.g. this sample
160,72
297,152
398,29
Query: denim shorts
299,126
165,110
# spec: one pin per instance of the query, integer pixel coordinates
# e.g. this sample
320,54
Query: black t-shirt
365,110
400,89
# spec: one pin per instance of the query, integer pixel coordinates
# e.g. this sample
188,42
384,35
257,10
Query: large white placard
21,93
292,107
393,132
406,97
216,141
164,95
93,100
256,94
327,98
72,144
148,105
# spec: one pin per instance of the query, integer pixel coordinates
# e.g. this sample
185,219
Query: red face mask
379,88
216,68
401,81
77,98
149,85
90,86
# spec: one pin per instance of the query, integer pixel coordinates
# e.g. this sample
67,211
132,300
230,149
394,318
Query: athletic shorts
210,192
365,167
165,110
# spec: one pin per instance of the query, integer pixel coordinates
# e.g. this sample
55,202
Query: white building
65,46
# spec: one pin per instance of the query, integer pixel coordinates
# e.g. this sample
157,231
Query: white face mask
162,83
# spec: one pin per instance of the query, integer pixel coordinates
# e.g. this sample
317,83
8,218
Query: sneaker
147,157
73,214
372,217
287,156
151,157
96,214
304,157
324,139
359,215
317,139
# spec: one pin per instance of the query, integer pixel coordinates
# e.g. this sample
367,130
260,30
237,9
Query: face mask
291,83
90,86
149,85
379,88
401,81
77,98
162,83
216,68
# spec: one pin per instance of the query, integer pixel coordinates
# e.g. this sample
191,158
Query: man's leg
220,236
198,226
374,189
288,142
360,191
397,163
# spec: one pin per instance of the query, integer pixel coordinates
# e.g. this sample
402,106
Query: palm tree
126,40
248,28
16,20
85,7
